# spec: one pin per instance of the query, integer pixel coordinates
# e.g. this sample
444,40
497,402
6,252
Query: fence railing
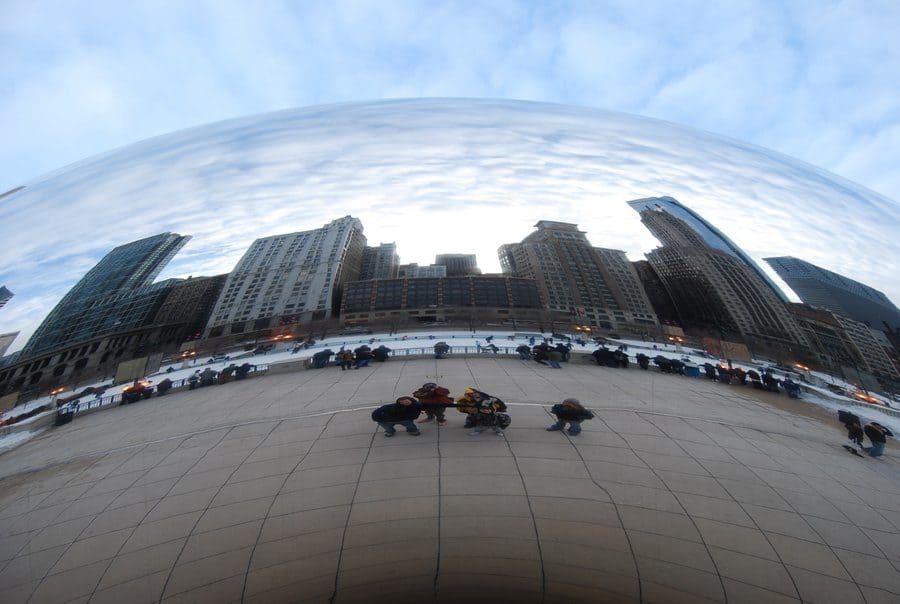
82,406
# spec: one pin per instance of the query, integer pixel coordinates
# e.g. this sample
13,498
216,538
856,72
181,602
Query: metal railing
82,406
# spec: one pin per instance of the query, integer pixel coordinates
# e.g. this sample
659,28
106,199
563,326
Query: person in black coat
855,432
877,434
381,353
441,349
571,412
363,357
524,352
643,360
321,358
404,412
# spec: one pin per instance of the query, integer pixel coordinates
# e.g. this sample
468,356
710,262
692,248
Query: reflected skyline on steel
436,176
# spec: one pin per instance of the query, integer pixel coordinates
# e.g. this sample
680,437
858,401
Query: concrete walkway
279,489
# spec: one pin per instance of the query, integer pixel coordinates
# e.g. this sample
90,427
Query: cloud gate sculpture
277,486
430,175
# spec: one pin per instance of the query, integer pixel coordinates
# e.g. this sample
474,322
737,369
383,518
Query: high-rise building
713,289
656,292
6,340
5,296
118,294
293,278
380,262
414,271
458,265
842,343
186,310
822,288
691,230
441,299
595,286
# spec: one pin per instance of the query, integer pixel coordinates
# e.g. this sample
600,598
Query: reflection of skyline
429,175
708,234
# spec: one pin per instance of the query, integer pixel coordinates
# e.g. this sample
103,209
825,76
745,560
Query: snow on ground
426,340
11,441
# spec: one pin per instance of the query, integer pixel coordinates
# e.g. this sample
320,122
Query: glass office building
116,295
822,288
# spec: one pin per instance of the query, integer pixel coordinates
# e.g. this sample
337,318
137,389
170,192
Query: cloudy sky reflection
434,176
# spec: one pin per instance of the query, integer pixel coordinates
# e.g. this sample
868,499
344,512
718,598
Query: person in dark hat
404,412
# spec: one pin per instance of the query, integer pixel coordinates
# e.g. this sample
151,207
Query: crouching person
434,400
878,435
483,411
403,412
571,412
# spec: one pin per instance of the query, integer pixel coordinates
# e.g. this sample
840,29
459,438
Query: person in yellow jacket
482,410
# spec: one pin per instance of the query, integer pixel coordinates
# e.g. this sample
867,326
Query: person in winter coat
404,412
541,353
524,352
241,372
878,435
381,353
227,373
434,400
163,387
571,412
320,359
482,410
854,428
441,349
363,357
208,377
643,361
555,357
346,358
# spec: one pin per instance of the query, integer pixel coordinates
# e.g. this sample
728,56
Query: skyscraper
594,285
458,265
379,262
5,296
713,289
711,282
186,310
656,292
822,288
691,230
116,295
442,299
293,278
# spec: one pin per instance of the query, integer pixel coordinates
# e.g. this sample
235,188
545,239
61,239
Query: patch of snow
11,441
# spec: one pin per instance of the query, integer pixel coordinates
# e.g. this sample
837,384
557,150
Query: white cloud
434,176
812,79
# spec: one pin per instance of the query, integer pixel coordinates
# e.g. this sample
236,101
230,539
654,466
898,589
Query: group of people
347,359
210,377
856,432
482,410
545,354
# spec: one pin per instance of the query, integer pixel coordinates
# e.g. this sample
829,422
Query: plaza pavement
280,489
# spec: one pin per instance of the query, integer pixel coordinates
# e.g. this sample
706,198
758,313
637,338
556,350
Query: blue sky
816,80
813,80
